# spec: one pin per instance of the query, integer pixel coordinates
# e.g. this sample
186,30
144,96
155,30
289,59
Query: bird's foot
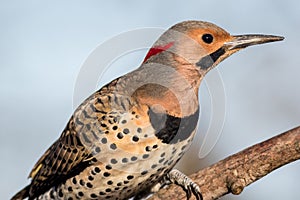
188,185
178,178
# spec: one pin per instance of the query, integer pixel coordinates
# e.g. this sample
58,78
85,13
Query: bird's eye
207,38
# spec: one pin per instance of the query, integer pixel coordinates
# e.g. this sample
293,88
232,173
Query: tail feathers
22,194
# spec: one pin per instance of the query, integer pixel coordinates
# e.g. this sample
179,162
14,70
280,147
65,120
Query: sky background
44,45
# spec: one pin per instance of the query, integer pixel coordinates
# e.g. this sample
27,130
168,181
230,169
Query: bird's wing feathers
66,156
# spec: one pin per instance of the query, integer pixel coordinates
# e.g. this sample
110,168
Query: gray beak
243,41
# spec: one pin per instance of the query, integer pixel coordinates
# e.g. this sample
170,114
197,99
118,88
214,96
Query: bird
124,140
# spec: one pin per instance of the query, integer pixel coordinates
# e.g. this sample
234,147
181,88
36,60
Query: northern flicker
126,138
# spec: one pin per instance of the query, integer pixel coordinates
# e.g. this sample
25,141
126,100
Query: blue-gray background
43,45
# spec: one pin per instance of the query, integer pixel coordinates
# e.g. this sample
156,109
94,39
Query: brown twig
234,173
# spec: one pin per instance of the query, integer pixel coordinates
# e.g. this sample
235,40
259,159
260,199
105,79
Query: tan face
210,39
203,46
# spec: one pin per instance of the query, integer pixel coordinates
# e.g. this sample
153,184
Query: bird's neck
185,70
168,84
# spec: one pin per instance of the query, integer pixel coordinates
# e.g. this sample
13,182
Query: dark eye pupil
207,38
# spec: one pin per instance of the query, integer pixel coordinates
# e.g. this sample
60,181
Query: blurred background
43,47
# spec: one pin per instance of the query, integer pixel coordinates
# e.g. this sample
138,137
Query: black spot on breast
113,161
113,146
97,170
145,156
144,172
108,167
80,194
120,135
133,158
104,140
153,166
135,138
109,182
103,125
130,177
106,174
93,195
139,130
172,129
89,185
91,178
81,182
126,131
147,148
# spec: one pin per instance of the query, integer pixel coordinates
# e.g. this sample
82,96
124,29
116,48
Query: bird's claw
188,185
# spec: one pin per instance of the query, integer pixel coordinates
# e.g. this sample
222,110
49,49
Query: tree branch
234,173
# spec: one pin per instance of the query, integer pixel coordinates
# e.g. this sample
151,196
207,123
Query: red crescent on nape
157,49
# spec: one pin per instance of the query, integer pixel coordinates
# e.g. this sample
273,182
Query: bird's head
201,44
179,59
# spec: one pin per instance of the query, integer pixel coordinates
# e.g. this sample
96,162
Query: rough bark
235,172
